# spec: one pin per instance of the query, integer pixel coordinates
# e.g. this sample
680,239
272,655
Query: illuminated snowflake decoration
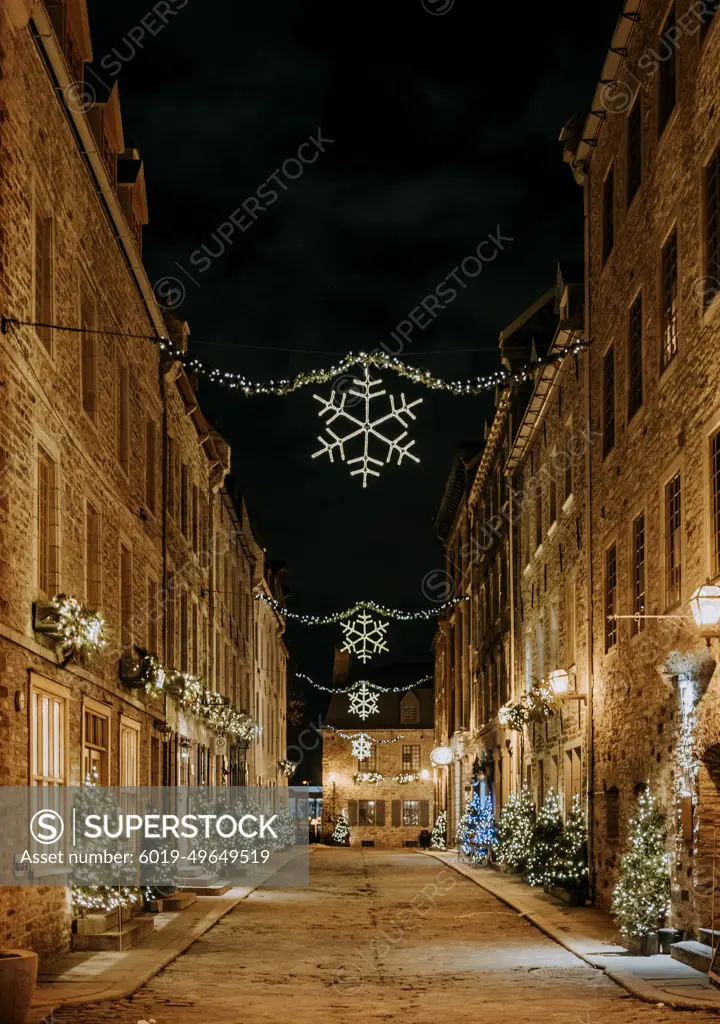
361,747
365,636
363,700
364,428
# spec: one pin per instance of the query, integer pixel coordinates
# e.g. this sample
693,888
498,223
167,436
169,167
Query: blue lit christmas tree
476,835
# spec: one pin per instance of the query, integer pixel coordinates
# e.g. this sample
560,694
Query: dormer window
409,714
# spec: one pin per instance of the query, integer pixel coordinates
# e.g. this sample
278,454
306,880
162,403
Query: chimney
341,666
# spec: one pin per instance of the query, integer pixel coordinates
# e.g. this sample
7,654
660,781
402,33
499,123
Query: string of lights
363,682
358,735
379,359
348,613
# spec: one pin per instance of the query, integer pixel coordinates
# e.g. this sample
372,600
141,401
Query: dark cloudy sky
445,127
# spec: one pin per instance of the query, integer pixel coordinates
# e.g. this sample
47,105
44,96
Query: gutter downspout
511,579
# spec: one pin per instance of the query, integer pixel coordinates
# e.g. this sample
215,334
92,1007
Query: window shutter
379,812
424,812
352,812
396,812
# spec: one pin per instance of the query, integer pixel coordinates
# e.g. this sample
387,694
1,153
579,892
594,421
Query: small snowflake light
363,700
361,746
365,636
364,429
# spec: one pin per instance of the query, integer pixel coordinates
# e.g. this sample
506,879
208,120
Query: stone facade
113,486
649,171
387,813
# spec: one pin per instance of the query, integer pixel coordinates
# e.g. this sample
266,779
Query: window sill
668,370
552,529
538,551
569,502
526,570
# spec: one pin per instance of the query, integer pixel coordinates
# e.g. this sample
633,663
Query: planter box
18,974
644,945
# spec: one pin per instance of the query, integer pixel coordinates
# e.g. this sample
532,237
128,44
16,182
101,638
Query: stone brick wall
339,766
637,711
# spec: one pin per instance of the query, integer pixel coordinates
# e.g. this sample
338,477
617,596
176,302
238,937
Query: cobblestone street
378,936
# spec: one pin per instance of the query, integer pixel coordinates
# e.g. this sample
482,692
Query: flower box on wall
644,945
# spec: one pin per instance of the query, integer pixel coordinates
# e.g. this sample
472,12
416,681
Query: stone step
118,939
710,937
178,901
216,888
96,923
694,954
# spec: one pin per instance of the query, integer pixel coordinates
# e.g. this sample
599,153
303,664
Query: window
151,465
568,447
409,714
184,499
47,526
526,517
129,752
669,299
528,663
540,636
612,814
411,757
123,414
570,623
538,515
369,764
712,228
638,573
43,310
634,150
573,777
184,663
635,357
170,619
609,401
411,812
673,556
152,623
610,598
608,225
553,645
668,72
126,598
96,752
715,490
88,355
171,476
195,645
48,724
366,812
93,556
195,522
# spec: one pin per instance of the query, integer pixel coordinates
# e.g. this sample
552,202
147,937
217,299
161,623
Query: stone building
648,159
545,467
473,648
388,796
113,486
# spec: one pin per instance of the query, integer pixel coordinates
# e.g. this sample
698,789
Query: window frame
127,726
635,356
44,312
672,598
103,711
610,596
668,72
54,537
609,401
671,325
40,686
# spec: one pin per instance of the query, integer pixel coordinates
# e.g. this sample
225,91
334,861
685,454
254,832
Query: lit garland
535,706
406,777
368,778
80,631
352,736
349,613
286,766
285,386
374,686
193,695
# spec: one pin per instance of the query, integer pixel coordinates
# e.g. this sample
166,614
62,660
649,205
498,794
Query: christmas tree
341,832
476,829
641,898
485,839
439,832
547,836
468,824
568,868
515,831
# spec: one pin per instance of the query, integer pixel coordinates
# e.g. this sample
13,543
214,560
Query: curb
636,986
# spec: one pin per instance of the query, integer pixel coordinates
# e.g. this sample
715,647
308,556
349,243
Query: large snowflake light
361,747
364,428
363,700
365,636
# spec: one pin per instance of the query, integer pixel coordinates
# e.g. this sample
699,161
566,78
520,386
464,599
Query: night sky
445,127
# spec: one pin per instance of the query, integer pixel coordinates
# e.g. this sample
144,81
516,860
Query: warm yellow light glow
559,681
705,607
332,777
424,774
441,755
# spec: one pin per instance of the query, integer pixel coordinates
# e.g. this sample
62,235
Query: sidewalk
88,977
591,934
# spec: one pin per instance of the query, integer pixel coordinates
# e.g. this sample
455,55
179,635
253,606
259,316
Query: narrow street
378,936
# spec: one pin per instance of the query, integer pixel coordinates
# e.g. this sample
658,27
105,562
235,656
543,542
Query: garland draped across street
362,682
348,613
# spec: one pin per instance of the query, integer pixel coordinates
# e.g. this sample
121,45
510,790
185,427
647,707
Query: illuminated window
673,553
669,299
411,757
411,812
610,598
48,723
638,573
366,812
712,228
95,745
129,752
47,526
